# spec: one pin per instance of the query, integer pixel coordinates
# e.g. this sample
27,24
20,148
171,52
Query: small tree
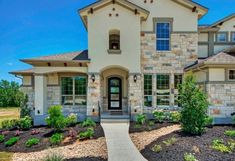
194,106
56,119
24,109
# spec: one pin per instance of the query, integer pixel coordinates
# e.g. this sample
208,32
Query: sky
32,28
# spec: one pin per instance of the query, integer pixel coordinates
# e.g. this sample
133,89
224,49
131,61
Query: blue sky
31,28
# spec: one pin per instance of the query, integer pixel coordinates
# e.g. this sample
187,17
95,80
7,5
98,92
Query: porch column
93,95
135,94
40,94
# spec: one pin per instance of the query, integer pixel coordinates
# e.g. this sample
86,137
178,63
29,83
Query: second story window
221,37
114,40
163,36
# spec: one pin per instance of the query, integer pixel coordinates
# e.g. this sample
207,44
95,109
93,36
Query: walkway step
113,120
120,146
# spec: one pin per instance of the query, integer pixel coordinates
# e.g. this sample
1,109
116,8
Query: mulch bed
44,135
186,143
87,159
134,128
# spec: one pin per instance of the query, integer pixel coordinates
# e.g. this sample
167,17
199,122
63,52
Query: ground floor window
164,93
74,90
231,75
148,90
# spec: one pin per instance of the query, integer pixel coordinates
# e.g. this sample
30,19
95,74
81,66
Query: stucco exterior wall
201,76
183,18
99,25
228,26
27,81
203,37
216,74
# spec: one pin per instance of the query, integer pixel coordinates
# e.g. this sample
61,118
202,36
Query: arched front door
114,93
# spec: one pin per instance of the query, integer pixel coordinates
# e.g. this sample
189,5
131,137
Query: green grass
8,114
5,156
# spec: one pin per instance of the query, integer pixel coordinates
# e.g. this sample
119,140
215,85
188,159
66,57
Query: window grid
74,90
163,84
163,36
232,75
148,90
221,37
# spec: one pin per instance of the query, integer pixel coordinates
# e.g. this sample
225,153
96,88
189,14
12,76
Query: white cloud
10,64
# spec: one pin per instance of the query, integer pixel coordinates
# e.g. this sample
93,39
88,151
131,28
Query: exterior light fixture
93,110
135,78
38,112
93,78
135,110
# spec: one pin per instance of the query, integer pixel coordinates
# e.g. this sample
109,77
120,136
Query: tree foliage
194,107
10,95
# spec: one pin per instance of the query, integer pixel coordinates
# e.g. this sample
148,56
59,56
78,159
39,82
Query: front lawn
213,145
8,114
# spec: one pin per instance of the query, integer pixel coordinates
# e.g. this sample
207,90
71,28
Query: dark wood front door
114,93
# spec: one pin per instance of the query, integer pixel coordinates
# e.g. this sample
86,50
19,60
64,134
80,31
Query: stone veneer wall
53,95
93,95
221,94
135,94
184,47
30,92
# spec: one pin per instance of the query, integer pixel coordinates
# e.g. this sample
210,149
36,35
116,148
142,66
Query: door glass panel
114,82
114,104
114,89
115,97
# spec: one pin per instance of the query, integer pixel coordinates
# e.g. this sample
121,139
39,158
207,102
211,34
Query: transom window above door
163,36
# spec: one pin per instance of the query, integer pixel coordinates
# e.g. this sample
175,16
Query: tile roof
221,58
71,56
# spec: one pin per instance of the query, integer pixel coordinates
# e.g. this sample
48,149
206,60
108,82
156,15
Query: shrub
159,116
233,119
218,144
71,120
88,134
170,141
151,123
56,138
2,137
140,119
10,124
12,141
56,119
54,157
194,107
209,121
25,123
189,157
88,123
175,117
29,143
230,133
157,148
24,109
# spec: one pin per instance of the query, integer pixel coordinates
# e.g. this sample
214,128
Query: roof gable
222,21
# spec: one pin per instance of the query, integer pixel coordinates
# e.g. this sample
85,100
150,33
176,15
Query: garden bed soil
135,128
44,135
200,146
87,159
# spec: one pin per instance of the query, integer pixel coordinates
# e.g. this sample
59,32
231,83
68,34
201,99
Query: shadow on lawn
87,159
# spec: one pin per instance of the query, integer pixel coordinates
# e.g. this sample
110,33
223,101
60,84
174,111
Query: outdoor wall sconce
135,78
93,78
93,109
135,110
38,112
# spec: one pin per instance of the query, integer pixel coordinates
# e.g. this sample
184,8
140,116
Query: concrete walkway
120,146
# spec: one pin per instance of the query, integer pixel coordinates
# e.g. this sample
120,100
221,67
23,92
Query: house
138,52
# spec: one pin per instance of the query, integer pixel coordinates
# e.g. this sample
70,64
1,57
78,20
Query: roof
221,58
81,56
23,72
220,22
102,3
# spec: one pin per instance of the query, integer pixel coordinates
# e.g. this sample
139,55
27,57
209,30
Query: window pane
67,100
147,84
178,80
114,82
163,82
80,100
67,86
163,45
163,36
221,37
148,101
80,85
231,74
233,37
163,100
